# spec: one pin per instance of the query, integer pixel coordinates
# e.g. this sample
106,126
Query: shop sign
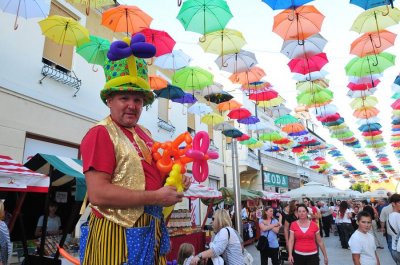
275,179
294,183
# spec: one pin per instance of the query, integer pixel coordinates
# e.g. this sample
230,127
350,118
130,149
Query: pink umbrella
307,65
162,40
265,95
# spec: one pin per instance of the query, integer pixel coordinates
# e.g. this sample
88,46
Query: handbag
263,242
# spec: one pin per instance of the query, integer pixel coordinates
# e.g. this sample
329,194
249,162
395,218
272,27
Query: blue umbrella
234,133
272,149
285,4
249,120
369,127
397,80
368,4
170,92
187,98
298,133
395,122
334,123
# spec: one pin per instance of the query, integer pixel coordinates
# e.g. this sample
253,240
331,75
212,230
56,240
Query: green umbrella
310,87
313,99
370,65
285,119
271,136
304,157
249,141
192,78
358,103
344,135
245,194
396,95
94,51
225,41
204,16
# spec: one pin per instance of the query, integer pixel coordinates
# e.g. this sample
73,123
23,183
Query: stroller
283,254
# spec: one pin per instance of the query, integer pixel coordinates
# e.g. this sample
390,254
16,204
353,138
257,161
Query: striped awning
15,177
64,171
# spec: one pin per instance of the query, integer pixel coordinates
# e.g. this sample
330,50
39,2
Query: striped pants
111,244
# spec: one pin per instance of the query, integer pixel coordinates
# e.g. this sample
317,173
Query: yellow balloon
174,180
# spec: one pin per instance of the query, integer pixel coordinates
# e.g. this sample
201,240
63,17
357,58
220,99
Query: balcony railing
61,76
166,126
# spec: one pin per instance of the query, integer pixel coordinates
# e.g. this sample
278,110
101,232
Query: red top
98,153
304,242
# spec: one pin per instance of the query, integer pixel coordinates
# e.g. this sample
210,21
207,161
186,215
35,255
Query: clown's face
125,107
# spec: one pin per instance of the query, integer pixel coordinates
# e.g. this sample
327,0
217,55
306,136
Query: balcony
61,75
166,126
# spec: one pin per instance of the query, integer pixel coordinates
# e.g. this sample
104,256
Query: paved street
336,255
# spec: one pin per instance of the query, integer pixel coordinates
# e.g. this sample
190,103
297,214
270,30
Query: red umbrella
240,113
372,133
318,158
244,137
297,149
307,65
265,95
162,40
396,104
315,167
282,141
363,86
329,118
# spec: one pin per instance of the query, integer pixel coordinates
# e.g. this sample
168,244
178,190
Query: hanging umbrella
175,60
223,41
264,95
233,133
249,120
28,9
372,64
94,4
285,119
370,127
199,109
253,75
187,98
211,89
124,18
256,145
298,24
249,141
308,64
365,79
357,103
376,19
94,51
212,119
163,42
313,45
260,126
313,99
344,135
271,103
244,137
372,43
204,16
219,97
236,62
293,128
192,78
228,105
64,31
310,76
325,110
285,4
170,92
367,121
283,141
368,4
157,82
256,87
271,136
366,112
224,126
240,113
363,86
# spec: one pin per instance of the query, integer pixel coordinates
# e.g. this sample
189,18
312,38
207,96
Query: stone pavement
336,255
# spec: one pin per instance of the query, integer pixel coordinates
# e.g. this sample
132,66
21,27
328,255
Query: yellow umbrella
271,103
256,145
376,19
212,119
94,4
224,41
358,103
64,30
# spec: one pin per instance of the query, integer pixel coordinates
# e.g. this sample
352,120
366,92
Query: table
197,239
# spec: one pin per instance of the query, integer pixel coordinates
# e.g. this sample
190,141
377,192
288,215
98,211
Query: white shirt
53,223
394,219
363,244
345,218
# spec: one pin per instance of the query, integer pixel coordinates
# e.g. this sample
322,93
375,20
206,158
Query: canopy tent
15,177
65,170
200,191
352,194
313,190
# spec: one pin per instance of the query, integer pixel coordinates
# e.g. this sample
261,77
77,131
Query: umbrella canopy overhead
372,64
236,62
368,4
225,41
192,78
372,43
233,133
212,119
199,109
170,92
163,42
313,45
308,64
218,98
94,51
240,113
253,75
204,16
313,190
28,9
157,82
223,126
212,89
228,105
285,4
175,60
376,19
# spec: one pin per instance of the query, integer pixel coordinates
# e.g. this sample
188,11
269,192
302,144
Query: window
163,105
52,50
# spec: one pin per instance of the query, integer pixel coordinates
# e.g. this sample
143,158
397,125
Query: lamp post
236,188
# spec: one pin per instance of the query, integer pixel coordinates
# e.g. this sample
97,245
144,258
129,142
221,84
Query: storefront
294,183
275,182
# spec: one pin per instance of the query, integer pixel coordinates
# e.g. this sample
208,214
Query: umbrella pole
236,188
16,16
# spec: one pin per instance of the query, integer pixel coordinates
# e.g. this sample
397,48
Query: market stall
181,226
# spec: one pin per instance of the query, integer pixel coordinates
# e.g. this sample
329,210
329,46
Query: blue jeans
393,253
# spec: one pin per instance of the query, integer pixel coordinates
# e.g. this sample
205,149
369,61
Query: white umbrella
175,60
236,62
379,193
223,126
259,126
310,76
199,109
211,89
313,190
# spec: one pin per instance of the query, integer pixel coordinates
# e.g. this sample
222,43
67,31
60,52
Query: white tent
313,190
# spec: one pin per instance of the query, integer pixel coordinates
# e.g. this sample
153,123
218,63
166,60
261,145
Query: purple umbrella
249,120
187,98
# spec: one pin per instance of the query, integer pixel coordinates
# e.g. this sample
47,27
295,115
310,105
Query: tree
361,187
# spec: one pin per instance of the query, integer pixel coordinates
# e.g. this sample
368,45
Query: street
336,255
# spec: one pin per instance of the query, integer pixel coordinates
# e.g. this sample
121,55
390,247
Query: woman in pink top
303,239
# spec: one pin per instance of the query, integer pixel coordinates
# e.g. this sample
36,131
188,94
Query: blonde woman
225,243
5,244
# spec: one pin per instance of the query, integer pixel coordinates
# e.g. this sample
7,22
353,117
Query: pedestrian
186,253
343,221
374,226
5,243
362,244
303,239
393,227
383,218
326,218
289,219
125,189
269,228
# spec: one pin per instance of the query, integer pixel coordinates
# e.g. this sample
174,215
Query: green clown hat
126,71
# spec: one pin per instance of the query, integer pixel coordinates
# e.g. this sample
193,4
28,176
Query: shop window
52,50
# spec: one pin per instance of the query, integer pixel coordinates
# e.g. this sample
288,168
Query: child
362,243
185,254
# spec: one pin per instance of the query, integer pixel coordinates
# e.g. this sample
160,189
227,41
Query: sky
255,19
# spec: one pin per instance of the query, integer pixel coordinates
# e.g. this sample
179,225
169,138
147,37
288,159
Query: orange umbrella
125,18
298,24
157,82
254,74
365,112
228,105
372,43
293,128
